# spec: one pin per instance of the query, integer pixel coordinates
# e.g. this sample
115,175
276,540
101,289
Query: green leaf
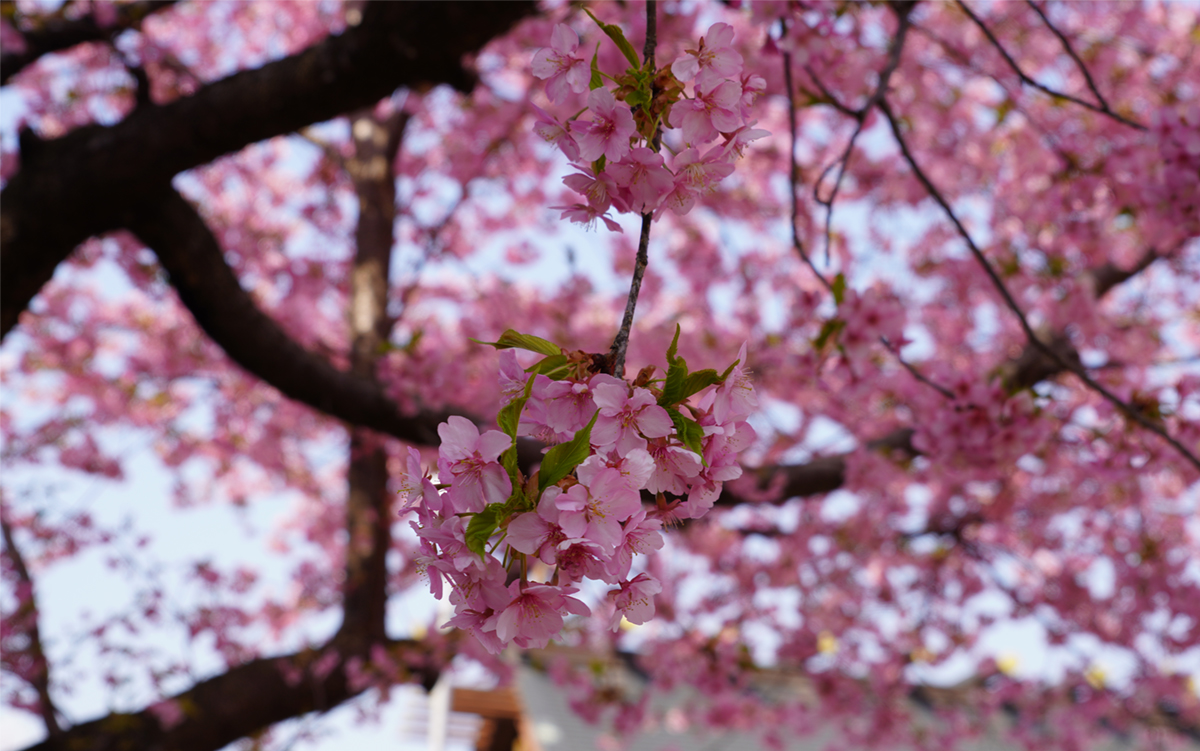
618,36
510,416
510,339
831,327
597,79
548,365
839,288
675,382
674,344
562,459
481,528
689,432
700,380
637,98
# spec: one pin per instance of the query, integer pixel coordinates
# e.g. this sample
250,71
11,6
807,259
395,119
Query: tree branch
1101,108
368,503
1032,338
56,33
239,702
84,183
189,252
616,353
30,661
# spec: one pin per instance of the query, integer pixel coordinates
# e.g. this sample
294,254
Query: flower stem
621,342
616,355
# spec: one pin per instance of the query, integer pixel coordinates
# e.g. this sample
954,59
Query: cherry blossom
563,71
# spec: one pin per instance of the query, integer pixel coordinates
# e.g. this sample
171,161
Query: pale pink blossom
600,190
587,216
643,178
714,110
626,420
552,131
609,131
535,614
694,176
735,399
634,601
470,459
563,71
713,60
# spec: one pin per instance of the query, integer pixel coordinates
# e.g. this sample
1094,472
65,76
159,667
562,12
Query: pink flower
714,60
634,600
559,65
752,87
586,215
537,533
625,419
673,468
412,481
644,178
736,142
639,536
695,175
552,131
609,131
714,108
735,399
601,191
481,625
535,614
595,512
468,460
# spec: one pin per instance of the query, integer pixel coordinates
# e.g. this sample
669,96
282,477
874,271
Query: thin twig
27,611
794,178
1066,43
620,345
794,173
1101,108
860,115
1128,410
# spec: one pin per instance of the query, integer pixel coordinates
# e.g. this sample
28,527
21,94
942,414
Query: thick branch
85,183
55,34
36,669
821,475
368,503
243,700
189,252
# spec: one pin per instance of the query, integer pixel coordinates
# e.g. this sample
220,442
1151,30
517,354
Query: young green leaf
562,459
481,528
839,288
510,339
549,365
675,382
689,431
597,79
674,345
700,380
510,415
829,329
618,36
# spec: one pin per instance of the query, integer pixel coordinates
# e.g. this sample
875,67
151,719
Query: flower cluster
515,548
616,151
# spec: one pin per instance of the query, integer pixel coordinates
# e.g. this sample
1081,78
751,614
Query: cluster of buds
623,459
616,151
